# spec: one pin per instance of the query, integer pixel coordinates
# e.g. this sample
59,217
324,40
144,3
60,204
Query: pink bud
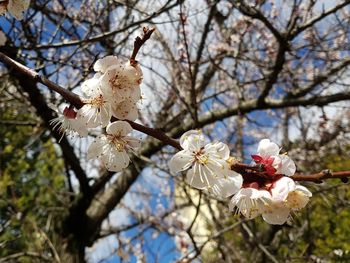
69,113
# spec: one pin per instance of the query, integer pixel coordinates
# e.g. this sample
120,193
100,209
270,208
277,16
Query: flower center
118,142
293,200
97,101
201,157
116,83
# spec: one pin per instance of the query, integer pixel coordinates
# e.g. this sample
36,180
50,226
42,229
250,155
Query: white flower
272,197
97,109
15,7
120,85
274,163
275,211
287,166
112,148
208,162
267,148
119,81
250,202
2,38
67,122
286,196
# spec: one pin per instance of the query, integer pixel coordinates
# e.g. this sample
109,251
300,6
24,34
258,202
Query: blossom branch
247,171
74,99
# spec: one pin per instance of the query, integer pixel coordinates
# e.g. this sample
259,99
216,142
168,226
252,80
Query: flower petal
225,187
276,214
125,110
132,142
79,127
88,115
121,127
193,139
281,189
91,87
288,167
114,160
133,73
181,161
195,180
298,198
97,147
250,202
135,93
267,148
218,148
102,64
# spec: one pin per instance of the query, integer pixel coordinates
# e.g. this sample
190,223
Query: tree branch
314,20
104,35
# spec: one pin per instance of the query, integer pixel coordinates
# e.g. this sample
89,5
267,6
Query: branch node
327,173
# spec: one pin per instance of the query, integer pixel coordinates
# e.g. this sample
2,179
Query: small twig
190,255
193,97
189,229
139,41
25,254
47,239
258,243
318,177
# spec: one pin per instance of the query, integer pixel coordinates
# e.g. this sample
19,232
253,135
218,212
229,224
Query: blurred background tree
34,197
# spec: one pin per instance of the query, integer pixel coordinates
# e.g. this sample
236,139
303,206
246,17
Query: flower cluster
274,200
114,90
15,7
277,195
273,196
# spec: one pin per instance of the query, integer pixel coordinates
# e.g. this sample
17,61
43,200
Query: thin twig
139,41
